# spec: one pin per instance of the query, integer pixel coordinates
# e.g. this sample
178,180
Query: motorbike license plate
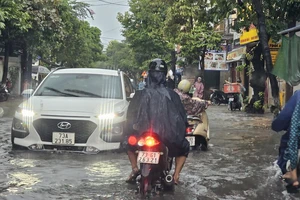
148,157
61,138
191,140
231,99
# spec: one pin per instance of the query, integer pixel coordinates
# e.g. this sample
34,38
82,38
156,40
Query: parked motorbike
197,132
218,97
4,94
155,164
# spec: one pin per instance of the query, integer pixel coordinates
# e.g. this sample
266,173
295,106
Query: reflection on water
22,180
23,162
103,169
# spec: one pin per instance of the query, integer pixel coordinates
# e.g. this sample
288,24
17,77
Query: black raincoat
159,109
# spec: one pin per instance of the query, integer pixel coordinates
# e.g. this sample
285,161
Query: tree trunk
7,47
202,63
26,64
263,37
257,81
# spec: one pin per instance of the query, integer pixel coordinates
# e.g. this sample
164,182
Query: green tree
153,27
52,29
79,44
143,28
119,55
13,21
188,24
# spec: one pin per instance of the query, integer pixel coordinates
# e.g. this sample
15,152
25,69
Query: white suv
74,109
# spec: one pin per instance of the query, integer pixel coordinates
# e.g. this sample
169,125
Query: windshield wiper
83,92
60,92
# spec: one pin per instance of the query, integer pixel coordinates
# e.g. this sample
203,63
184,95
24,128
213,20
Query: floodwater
238,165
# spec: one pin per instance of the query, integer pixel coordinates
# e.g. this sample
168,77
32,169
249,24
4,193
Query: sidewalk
8,108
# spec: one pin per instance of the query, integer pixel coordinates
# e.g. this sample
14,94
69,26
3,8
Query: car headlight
26,112
107,116
111,115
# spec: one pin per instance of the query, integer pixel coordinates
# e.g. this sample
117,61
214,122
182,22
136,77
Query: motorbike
4,94
155,164
197,132
218,97
234,101
233,91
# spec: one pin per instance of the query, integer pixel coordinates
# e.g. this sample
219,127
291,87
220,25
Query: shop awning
236,59
287,65
236,55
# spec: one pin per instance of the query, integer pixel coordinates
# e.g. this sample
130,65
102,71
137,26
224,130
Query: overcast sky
105,18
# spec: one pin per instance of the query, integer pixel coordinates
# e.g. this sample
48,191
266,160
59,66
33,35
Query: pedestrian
141,83
199,88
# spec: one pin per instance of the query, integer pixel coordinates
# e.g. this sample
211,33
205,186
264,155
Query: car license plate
231,99
191,140
62,138
148,157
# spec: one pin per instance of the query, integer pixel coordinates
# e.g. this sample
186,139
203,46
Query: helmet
158,65
184,86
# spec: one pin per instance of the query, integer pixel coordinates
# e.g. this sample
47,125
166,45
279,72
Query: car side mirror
27,93
130,96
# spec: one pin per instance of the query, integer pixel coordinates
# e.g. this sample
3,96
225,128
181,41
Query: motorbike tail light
132,140
148,141
189,129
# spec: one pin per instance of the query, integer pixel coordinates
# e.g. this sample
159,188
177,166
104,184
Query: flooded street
238,165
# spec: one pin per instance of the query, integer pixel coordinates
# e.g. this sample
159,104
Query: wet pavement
238,165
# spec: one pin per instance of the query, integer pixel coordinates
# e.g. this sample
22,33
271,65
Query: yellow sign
236,53
249,36
274,48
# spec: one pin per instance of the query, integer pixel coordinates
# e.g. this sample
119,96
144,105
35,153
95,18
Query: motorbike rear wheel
145,186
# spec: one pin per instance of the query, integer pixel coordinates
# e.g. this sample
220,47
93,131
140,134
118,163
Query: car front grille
82,129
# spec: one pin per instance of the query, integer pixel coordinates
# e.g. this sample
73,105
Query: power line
111,30
109,3
110,38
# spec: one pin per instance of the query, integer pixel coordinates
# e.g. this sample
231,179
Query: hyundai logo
64,125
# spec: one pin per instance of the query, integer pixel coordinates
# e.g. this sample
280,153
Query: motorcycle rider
283,122
192,106
158,108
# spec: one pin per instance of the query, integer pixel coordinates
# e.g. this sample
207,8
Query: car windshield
81,85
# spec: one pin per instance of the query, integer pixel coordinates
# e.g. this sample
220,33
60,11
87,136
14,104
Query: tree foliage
119,55
143,29
154,27
52,29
